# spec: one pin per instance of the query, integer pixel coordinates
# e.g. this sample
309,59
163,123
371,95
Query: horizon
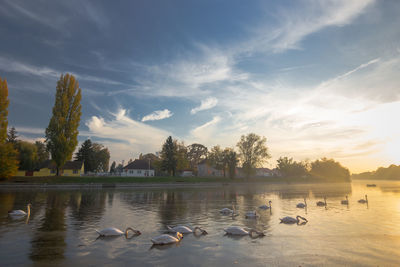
317,79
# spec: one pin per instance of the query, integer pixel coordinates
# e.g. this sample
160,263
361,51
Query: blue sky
317,78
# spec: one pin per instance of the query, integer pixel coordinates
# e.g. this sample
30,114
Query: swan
251,214
167,239
302,205
183,229
112,231
346,201
322,203
265,207
236,230
227,211
291,220
21,213
363,200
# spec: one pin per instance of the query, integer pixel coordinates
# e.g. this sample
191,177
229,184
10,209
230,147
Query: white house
138,168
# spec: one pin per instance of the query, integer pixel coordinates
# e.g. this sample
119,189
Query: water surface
61,227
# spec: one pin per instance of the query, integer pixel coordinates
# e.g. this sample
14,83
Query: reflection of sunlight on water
356,234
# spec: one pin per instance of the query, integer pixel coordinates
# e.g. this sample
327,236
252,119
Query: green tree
101,157
216,158
12,136
253,152
182,161
169,156
42,152
85,154
290,168
62,131
27,155
330,170
231,160
8,155
196,153
112,168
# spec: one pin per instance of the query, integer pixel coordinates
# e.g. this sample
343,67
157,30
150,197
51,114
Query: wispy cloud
205,104
158,115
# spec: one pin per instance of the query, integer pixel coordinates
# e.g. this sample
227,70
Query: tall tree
62,132
253,152
101,157
216,158
8,155
169,156
181,156
231,160
27,155
85,154
112,168
12,136
196,153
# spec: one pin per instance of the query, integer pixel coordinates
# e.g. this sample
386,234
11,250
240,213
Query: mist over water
61,227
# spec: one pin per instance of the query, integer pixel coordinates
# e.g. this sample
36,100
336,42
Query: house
70,168
138,168
204,169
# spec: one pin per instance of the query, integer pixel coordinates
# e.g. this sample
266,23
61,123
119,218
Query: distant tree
182,161
85,154
62,131
169,156
329,169
42,152
130,161
119,168
216,158
27,155
196,153
289,167
112,168
101,157
8,155
12,136
231,160
253,152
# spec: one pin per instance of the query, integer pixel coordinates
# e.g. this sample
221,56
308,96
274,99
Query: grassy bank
118,179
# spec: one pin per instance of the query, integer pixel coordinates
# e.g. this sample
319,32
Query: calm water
61,228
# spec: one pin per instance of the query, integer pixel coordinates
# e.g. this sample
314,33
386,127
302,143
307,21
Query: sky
317,78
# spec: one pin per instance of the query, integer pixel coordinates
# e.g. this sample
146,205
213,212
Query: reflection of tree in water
48,242
87,207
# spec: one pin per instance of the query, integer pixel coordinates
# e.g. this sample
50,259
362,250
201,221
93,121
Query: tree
216,158
329,169
252,152
27,155
169,156
112,168
42,152
12,136
288,167
8,155
231,161
101,157
85,154
62,131
196,153
182,161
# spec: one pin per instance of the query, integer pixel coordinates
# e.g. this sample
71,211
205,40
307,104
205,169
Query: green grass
118,179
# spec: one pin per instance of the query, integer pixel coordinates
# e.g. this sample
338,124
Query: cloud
205,104
204,133
125,137
158,115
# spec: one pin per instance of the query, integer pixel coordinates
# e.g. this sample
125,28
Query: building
204,169
70,168
138,168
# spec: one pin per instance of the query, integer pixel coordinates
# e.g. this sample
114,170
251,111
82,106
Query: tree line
389,173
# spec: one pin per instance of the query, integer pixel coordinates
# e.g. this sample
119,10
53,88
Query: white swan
20,213
363,200
183,229
322,203
265,207
251,214
345,201
167,239
302,205
236,230
112,231
291,220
